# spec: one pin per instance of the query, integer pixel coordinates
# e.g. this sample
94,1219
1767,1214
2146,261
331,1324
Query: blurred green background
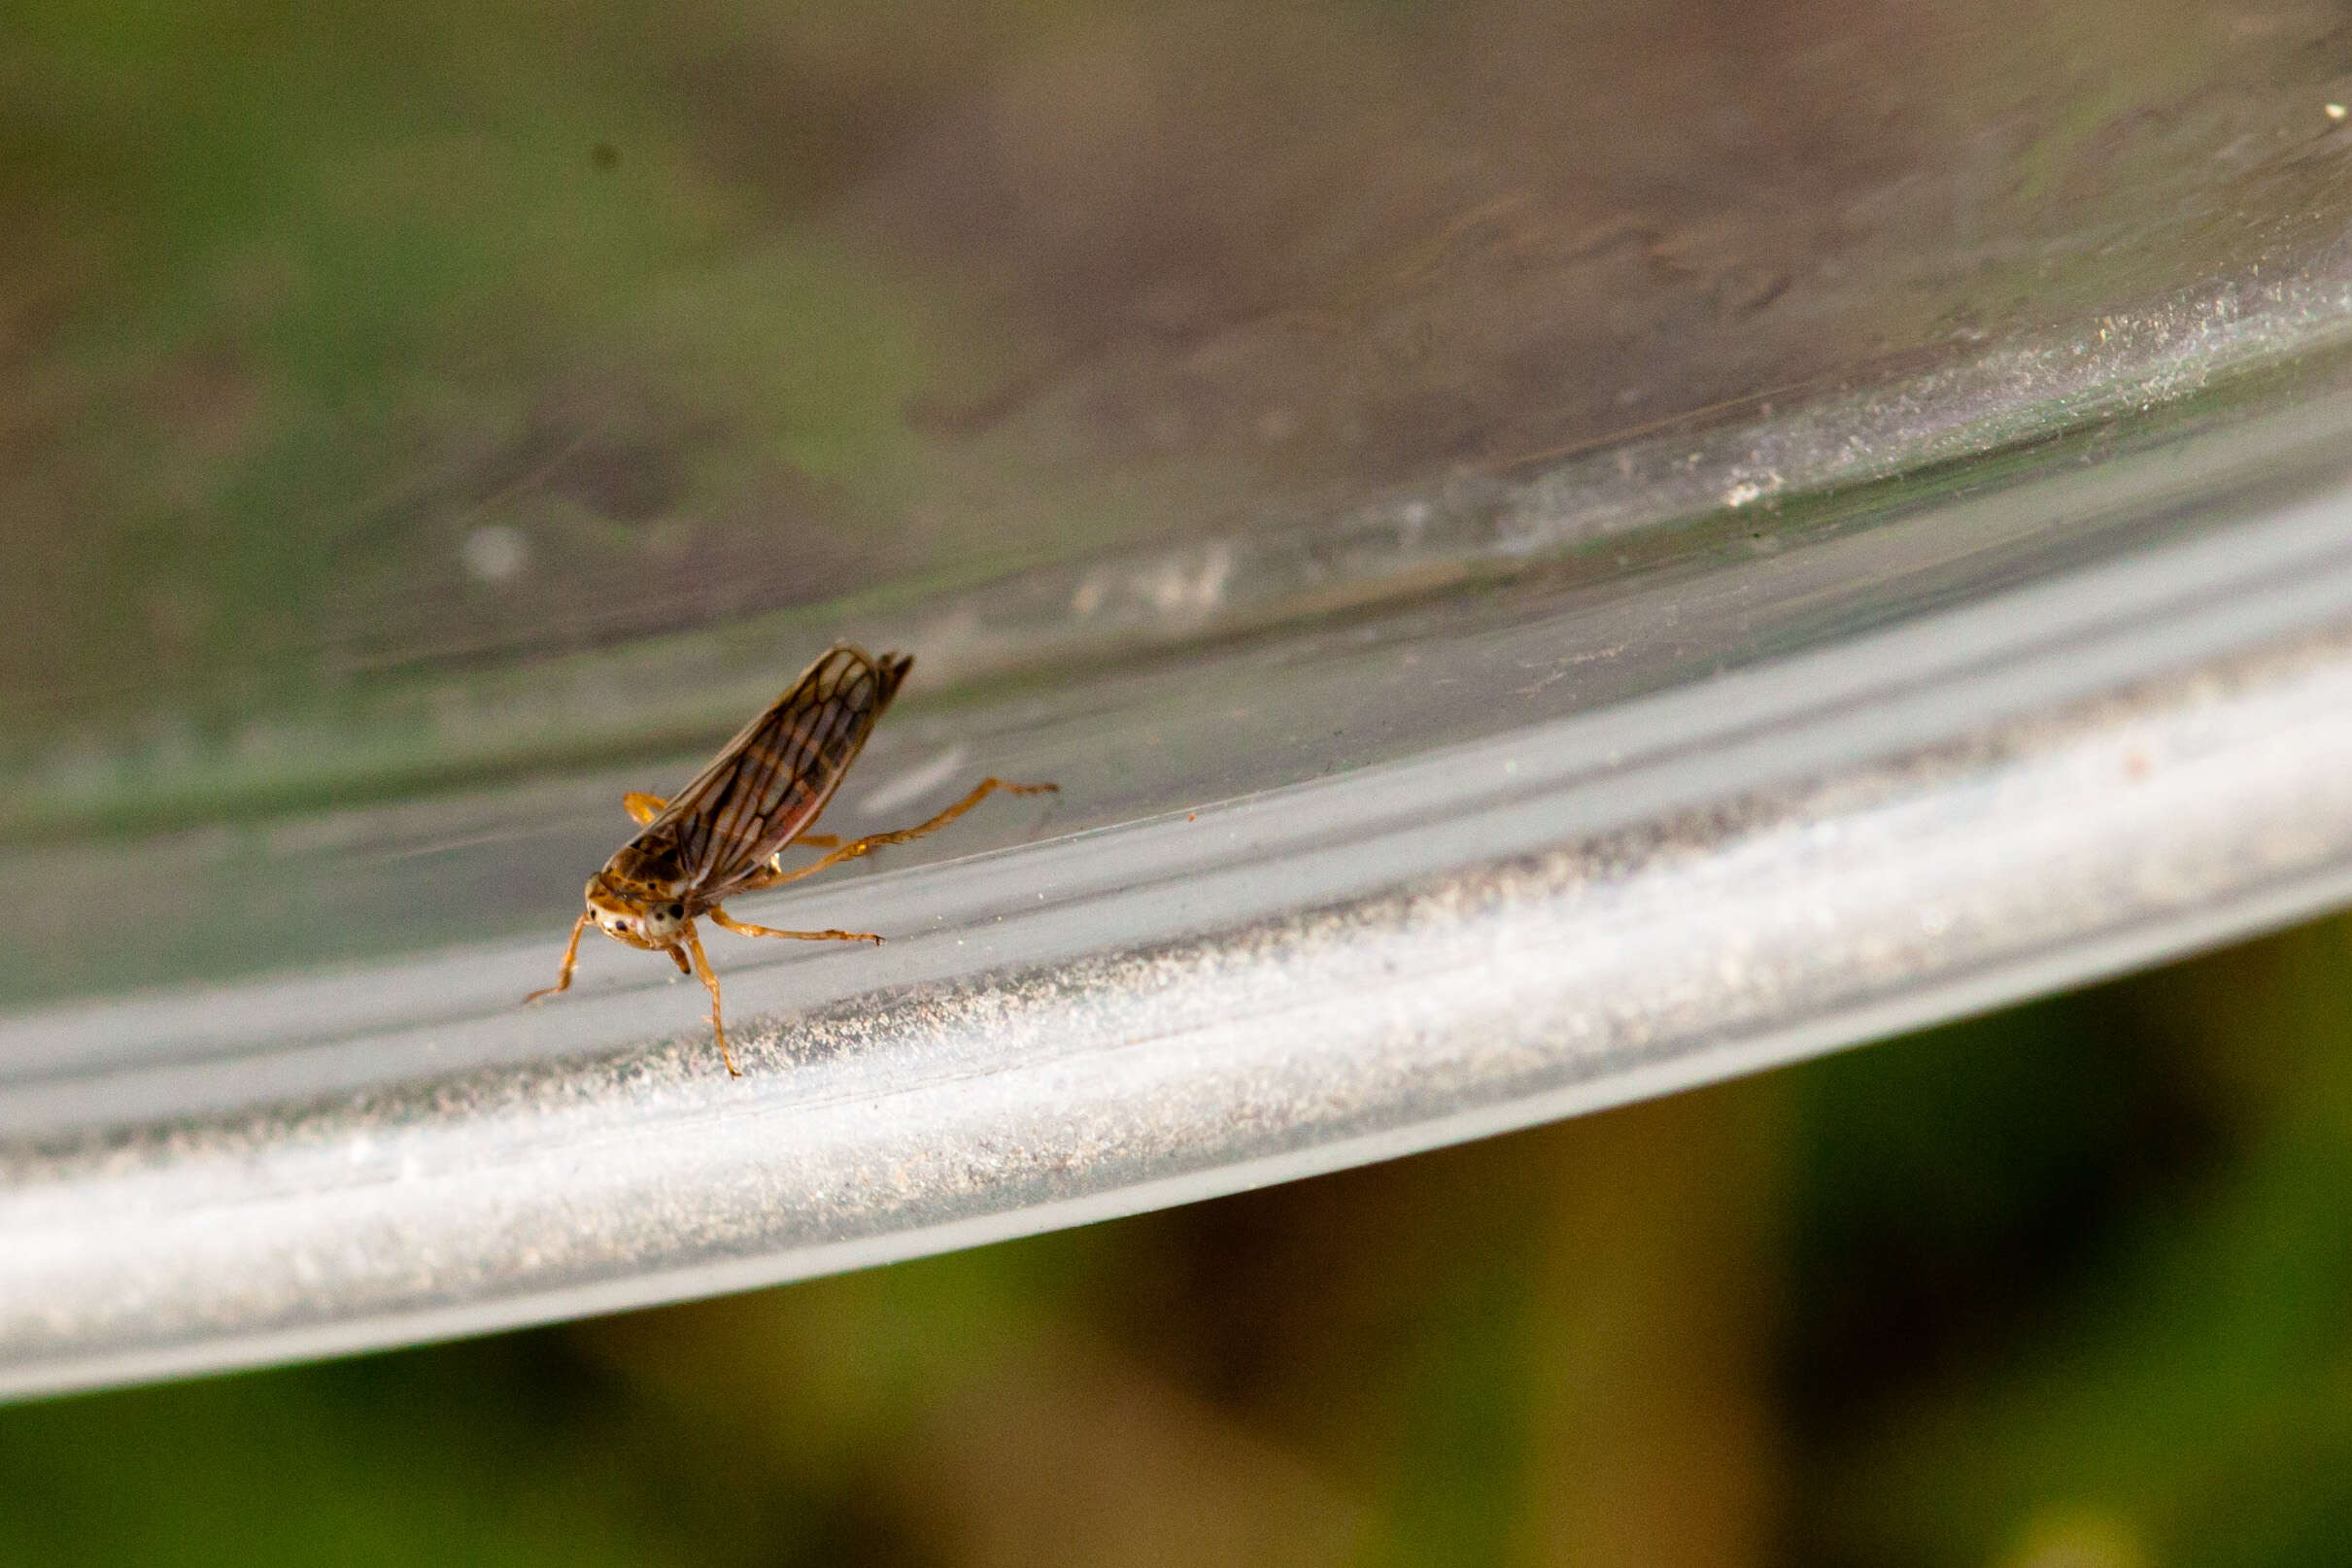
2066,1288
342,342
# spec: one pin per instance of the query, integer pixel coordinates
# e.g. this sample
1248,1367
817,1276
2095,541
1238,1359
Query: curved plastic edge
1905,858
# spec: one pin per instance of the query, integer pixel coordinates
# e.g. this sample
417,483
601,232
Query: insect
726,833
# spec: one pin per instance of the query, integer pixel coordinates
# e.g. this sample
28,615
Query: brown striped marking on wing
772,779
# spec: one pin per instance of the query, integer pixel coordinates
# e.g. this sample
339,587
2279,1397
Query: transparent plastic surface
1531,596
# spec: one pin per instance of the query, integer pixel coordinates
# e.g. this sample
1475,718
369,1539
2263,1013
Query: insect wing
773,779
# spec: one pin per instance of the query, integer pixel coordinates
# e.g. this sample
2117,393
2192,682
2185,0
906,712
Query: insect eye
676,911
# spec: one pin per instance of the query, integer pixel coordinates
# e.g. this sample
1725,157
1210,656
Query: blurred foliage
296,299
2069,1286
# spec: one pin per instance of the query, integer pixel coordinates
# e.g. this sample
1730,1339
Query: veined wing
772,779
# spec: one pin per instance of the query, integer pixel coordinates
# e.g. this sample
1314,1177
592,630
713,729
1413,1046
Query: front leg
722,917
572,957
710,980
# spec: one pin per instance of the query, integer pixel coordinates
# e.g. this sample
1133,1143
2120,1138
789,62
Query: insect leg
722,917
572,957
642,808
710,980
876,840
814,841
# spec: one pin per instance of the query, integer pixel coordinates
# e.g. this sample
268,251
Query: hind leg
876,840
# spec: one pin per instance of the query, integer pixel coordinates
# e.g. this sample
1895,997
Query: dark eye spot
676,911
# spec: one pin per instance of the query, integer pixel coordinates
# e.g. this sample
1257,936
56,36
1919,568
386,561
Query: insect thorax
642,873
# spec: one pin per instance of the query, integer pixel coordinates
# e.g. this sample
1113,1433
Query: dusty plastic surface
1915,637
